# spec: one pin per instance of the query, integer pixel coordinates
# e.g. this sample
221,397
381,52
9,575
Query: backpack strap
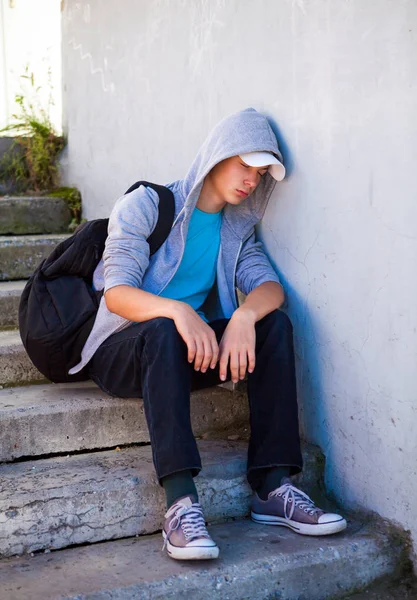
166,212
80,254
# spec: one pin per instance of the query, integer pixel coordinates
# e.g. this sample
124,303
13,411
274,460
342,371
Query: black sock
178,485
272,480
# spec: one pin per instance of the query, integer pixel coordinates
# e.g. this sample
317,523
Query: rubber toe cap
329,518
202,543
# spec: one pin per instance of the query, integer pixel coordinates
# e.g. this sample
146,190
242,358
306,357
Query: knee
277,323
159,337
164,325
164,331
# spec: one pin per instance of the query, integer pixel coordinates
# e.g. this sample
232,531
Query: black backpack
58,305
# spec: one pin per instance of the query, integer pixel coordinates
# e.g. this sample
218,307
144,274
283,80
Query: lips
242,193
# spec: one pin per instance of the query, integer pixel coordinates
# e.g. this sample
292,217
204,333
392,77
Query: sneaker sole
301,528
192,552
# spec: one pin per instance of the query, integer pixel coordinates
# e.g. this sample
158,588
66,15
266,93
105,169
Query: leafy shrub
31,162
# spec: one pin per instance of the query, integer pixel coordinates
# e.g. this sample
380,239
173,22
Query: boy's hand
238,345
200,338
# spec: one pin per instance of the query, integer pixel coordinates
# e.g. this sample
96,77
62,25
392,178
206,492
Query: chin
235,199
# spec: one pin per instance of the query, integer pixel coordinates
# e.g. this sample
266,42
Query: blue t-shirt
197,271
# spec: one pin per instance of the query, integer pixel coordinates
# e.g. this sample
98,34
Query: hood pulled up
239,133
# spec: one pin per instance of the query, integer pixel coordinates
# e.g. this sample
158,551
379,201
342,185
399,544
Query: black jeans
149,360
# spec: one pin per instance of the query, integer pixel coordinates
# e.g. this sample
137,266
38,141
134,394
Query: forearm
261,301
137,305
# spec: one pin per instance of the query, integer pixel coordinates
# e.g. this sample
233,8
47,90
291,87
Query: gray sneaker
290,507
185,534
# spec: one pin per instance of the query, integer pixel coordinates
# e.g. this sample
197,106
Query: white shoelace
295,498
191,520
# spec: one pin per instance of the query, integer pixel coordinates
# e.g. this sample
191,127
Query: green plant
31,162
73,198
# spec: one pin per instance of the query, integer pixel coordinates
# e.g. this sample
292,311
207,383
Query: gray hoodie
241,261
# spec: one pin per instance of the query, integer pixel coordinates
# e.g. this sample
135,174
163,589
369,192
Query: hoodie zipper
179,262
234,273
242,241
178,216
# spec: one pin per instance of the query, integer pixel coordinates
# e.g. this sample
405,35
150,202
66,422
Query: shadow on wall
311,361
309,371
313,368
282,144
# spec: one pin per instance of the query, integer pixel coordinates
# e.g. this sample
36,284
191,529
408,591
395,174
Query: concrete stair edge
256,562
57,502
15,365
22,215
21,254
55,418
10,292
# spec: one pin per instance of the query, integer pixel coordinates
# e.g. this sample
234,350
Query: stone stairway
80,506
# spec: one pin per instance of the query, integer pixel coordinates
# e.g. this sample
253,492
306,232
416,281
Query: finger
199,357
215,356
243,362
208,354
215,351
251,360
192,349
224,361
234,365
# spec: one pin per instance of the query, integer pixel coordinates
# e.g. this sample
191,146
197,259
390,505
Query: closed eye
247,167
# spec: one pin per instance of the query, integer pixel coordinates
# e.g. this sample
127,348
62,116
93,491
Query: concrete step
256,562
20,255
53,418
57,502
403,588
15,365
22,215
10,292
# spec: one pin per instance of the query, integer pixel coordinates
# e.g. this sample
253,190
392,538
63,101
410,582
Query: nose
251,180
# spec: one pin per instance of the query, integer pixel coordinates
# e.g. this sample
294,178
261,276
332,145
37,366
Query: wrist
175,308
245,313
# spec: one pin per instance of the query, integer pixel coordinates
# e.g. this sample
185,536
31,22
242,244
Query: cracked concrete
44,419
15,365
10,292
22,215
53,503
256,562
57,502
355,343
20,255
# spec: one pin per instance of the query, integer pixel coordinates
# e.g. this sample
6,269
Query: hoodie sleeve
126,254
253,267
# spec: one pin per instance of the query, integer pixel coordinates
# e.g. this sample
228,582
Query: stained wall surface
143,83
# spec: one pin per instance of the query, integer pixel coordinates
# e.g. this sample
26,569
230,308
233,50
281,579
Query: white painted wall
30,34
144,82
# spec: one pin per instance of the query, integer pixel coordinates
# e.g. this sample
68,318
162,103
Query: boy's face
232,176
